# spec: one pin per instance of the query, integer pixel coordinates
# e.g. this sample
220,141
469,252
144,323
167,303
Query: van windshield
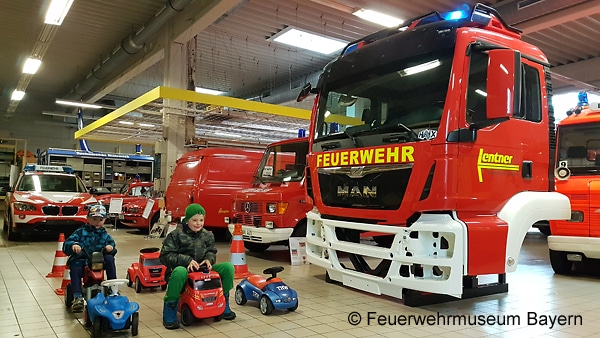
283,163
579,148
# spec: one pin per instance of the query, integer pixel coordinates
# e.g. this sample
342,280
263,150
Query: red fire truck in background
439,133
274,208
578,177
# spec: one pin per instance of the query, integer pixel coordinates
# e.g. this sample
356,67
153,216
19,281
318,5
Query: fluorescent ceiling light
208,91
311,41
378,18
227,134
31,66
17,95
57,11
78,104
419,68
146,125
126,122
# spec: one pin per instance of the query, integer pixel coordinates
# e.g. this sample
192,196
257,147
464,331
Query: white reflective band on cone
238,259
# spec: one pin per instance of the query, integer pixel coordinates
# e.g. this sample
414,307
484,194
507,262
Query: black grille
209,299
51,210
69,210
390,186
248,207
155,270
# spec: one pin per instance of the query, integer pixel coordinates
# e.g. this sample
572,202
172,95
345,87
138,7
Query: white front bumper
263,235
588,246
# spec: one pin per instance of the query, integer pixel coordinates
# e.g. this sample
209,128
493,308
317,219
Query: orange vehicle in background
578,177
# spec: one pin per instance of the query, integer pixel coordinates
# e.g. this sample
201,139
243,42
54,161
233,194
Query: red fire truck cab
439,133
275,207
578,177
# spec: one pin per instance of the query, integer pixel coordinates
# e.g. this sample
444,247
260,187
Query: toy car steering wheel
113,285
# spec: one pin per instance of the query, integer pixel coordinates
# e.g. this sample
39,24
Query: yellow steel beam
131,106
191,96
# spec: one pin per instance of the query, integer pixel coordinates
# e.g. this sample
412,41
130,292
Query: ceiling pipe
131,45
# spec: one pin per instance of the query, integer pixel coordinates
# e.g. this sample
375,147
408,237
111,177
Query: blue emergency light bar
48,168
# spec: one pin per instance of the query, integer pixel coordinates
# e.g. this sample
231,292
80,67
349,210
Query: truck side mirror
306,90
503,84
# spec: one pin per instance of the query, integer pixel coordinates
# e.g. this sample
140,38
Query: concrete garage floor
29,306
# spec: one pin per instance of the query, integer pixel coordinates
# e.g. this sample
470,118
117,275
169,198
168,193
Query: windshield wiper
391,127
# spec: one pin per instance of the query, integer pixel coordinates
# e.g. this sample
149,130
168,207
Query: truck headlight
576,216
271,208
24,206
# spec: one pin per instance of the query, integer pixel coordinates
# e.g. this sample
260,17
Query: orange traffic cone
60,259
66,280
238,253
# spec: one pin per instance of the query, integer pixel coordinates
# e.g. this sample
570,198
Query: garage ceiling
83,58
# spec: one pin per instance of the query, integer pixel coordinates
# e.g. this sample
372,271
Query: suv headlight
24,206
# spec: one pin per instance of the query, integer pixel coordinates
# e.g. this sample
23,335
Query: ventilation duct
131,45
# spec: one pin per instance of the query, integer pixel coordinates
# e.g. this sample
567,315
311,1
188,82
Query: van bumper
588,246
263,235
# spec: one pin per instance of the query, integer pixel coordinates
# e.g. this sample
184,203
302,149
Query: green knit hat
193,209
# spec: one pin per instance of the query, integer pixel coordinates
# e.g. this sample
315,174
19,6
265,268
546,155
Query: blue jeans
76,273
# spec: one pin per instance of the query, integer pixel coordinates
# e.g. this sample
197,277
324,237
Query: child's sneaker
77,305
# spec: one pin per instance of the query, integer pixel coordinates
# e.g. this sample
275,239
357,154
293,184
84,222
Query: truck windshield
54,183
405,99
283,163
579,147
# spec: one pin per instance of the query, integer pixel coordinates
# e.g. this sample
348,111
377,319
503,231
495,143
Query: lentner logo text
494,162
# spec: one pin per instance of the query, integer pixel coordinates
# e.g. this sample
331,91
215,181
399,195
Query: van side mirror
503,84
306,90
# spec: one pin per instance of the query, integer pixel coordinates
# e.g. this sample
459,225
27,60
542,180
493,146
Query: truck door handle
527,170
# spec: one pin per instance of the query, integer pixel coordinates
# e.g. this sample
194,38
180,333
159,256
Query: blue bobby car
270,293
113,311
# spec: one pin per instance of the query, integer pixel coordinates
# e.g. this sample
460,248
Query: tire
138,285
545,229
152,222
560,264
240,296
187,318
135,322
86,317
300,229
97,327
68,296
294,308
163,287
265,305
12,236
129,281
256,247
218,318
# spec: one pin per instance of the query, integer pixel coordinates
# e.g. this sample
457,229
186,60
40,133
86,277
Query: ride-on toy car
93,276
109,311
148,272
270,293
202,296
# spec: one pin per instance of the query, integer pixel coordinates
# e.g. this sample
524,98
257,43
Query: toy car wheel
240,296
129,281
138,285
187,318
218,318
86,316
163,287
97,327
68,295
135,322
265,305
293,308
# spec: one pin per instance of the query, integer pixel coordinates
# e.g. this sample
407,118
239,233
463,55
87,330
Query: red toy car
202,297
148,272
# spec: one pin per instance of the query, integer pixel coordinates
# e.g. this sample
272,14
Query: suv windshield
50,182
283,163
579,147
405,98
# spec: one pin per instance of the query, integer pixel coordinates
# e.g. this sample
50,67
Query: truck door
506,157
